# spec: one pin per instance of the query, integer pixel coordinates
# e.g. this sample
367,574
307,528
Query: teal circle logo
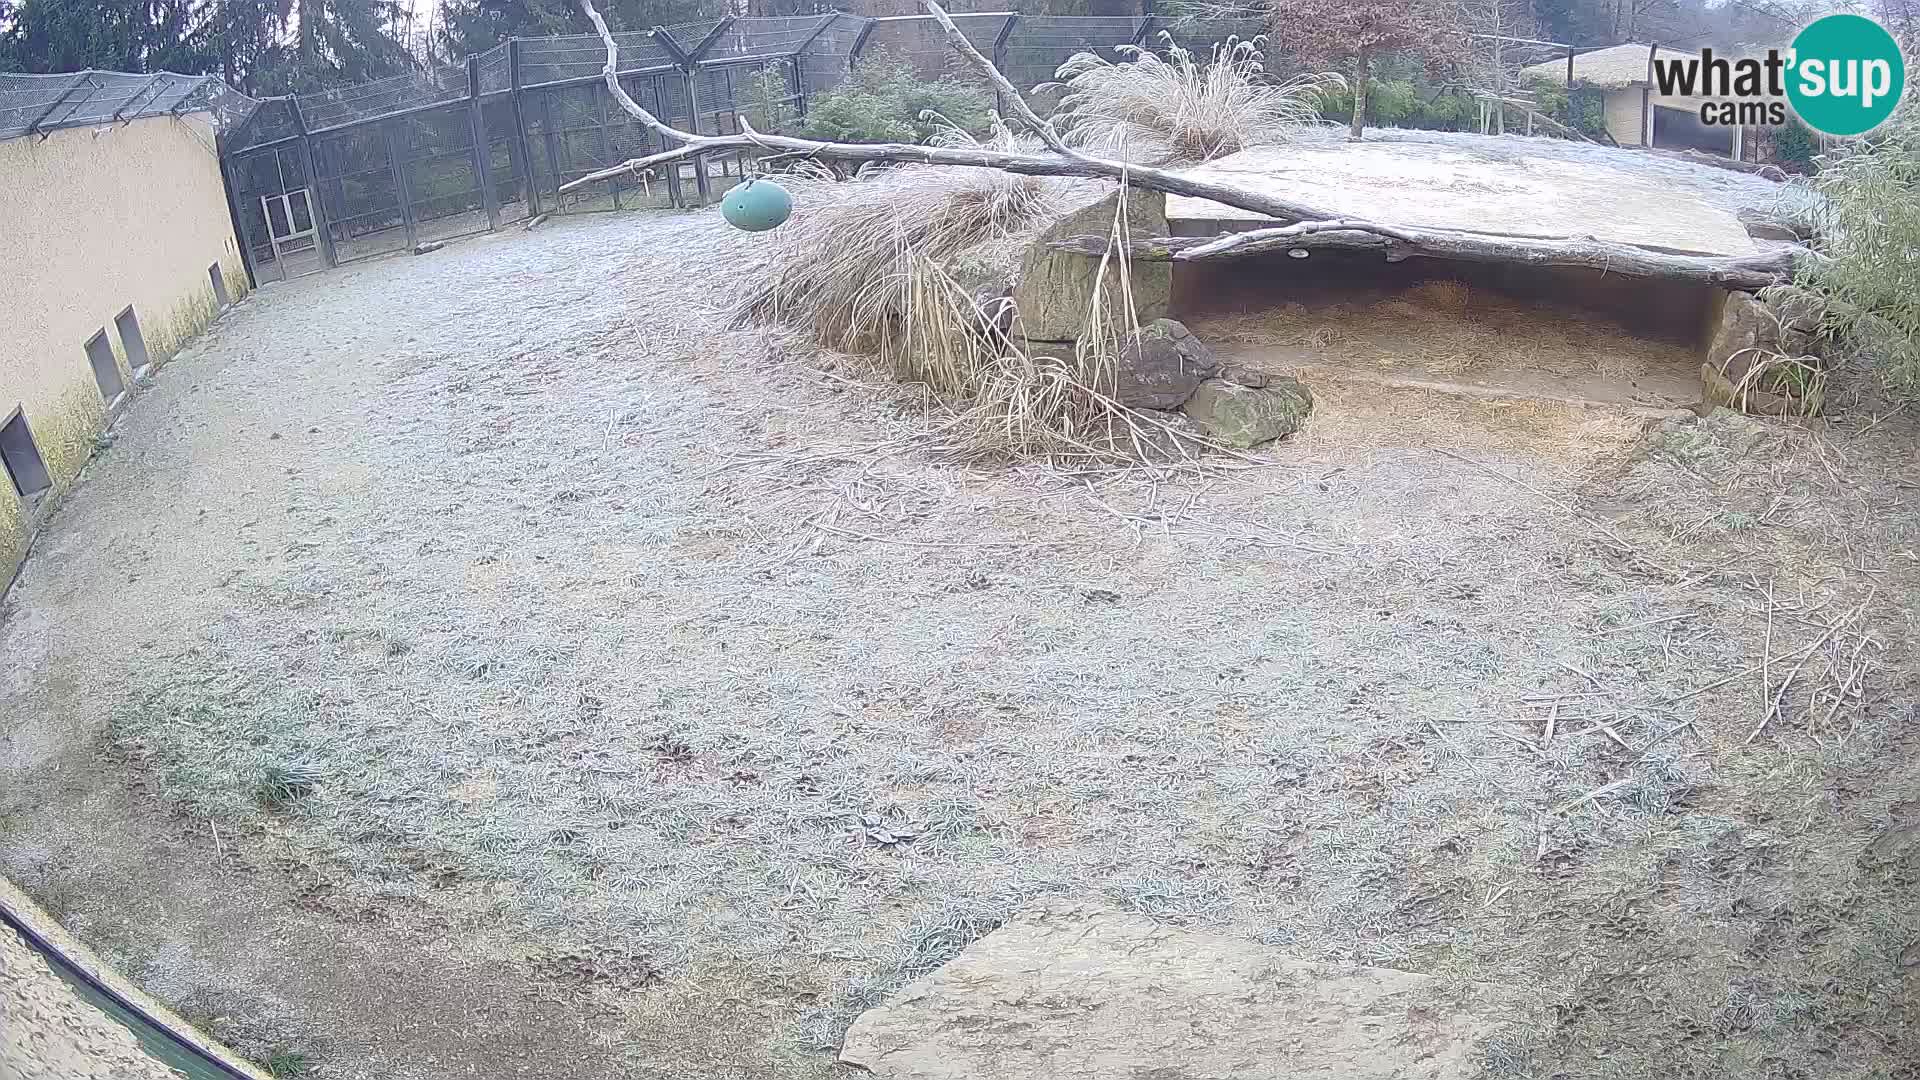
1847,75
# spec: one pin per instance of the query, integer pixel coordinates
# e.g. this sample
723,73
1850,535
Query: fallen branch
1399,242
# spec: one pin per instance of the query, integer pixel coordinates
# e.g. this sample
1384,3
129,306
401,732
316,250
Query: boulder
1734,390
1160,365
1091,993
1055,290
1744,324
1801,315
993,306
1784,320
1246,376
1764,226
1245,416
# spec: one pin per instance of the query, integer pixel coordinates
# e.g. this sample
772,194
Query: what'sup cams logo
1843,76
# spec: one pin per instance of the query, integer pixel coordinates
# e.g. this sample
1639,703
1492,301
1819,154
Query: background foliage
883,101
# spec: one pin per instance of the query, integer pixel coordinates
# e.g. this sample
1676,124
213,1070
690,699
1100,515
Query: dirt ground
487,664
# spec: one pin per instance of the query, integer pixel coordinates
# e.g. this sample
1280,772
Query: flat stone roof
1506,184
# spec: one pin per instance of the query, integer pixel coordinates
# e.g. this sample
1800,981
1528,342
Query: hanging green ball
756,205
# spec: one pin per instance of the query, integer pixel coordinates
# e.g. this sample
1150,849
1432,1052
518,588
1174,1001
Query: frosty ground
488,661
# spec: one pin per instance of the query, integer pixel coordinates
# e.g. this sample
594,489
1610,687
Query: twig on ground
1766,655
1596,793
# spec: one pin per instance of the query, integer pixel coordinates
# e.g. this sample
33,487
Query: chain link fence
325,178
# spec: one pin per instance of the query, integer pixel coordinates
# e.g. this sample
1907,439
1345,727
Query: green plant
1795,146
1398,103
767,101
881,100
284,1064
1181,109
1869,223
284,785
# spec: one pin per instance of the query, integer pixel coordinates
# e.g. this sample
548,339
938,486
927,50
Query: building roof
31,104
1610,68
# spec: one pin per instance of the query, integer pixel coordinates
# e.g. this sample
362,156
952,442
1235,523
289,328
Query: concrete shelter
1635,112
116,247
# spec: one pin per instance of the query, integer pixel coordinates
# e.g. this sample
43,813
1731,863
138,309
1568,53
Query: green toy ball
756,205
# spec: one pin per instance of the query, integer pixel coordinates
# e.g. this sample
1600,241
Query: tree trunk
1359,98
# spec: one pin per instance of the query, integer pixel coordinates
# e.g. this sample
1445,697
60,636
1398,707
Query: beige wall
1622,115
93,219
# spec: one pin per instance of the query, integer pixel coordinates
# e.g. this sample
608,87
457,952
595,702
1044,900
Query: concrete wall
92,220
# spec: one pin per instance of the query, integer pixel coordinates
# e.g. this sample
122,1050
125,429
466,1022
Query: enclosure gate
317,180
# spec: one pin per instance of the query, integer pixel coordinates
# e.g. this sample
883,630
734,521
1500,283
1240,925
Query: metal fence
322,179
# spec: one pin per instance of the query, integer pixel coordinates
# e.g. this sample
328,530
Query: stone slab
1510,185
1094,994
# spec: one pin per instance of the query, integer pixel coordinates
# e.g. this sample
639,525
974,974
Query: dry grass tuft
843,268
872,269
1181,109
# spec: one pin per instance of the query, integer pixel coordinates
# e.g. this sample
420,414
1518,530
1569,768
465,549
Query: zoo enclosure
316,180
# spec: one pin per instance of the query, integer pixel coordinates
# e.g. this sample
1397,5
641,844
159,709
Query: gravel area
502,614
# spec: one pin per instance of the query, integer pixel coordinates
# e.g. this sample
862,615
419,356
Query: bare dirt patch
521,627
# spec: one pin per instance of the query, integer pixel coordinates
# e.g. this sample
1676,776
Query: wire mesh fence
36,104
323,178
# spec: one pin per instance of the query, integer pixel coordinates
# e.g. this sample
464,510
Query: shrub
767,101
1397,103
1795,145
1870,229
1180,109
881,100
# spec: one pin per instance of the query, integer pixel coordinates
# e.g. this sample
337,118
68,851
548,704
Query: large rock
1744,324
1161,365
1244,416
1801,315
1764,226
1095,994
1786,321
1055,290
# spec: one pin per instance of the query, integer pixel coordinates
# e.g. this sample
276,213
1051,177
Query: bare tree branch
1014,98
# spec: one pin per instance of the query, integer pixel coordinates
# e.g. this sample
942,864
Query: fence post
482,149
859,42
232,184
799,51
401,189
1000,58
606,144
700,182
316,204
520,130
689,65
553,150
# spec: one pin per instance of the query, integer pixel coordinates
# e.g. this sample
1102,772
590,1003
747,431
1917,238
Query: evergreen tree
474,26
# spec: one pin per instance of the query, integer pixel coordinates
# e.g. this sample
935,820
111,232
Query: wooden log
1395,243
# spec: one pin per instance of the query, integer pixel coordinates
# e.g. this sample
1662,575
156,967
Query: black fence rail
317,180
